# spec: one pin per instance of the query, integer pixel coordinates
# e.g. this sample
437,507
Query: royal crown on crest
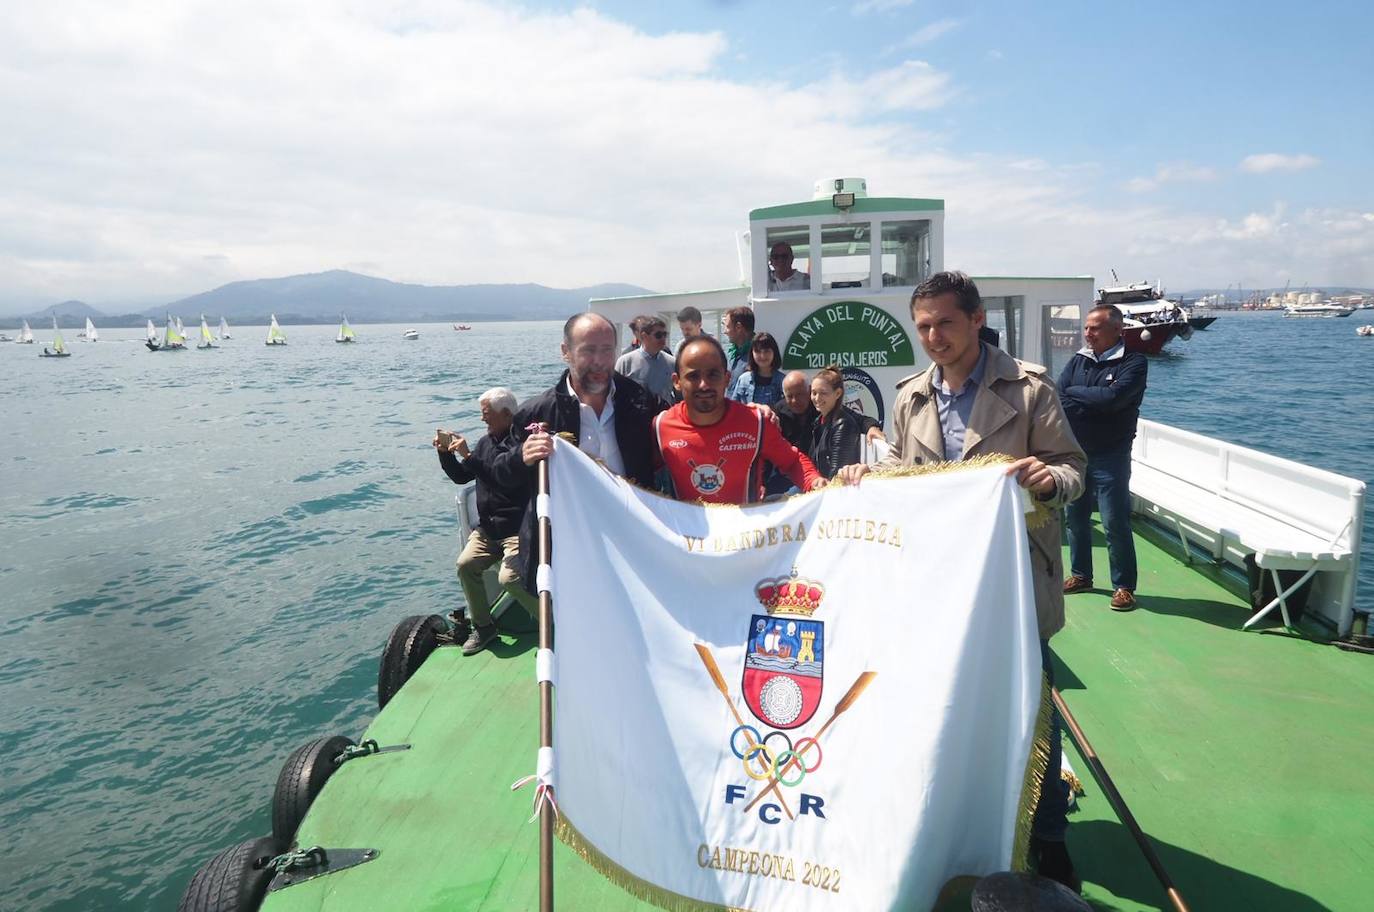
790,595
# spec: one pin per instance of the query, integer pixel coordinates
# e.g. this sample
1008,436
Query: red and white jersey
724,462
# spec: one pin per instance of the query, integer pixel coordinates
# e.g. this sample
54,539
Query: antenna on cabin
1114,278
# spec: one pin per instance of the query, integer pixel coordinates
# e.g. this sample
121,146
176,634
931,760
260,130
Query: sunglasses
659,334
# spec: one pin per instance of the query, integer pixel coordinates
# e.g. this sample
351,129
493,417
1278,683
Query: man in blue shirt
1101,389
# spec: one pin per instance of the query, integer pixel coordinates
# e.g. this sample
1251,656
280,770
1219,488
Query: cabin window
906,252
1062,325
847,255
786,274
1005,315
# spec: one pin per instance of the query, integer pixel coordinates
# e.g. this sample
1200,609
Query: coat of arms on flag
785,657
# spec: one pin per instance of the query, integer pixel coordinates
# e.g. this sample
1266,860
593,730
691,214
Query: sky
153,150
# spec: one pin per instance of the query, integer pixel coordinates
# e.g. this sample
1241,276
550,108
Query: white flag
878,652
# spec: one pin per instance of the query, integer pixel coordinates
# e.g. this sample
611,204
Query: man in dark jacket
609,417
500,510
1101,389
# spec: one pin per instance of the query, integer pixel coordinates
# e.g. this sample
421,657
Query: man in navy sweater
501,506
1101,389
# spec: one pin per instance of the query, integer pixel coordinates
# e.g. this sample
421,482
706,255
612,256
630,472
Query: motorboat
1365,330
461,326
411,334
1324,309
1151,320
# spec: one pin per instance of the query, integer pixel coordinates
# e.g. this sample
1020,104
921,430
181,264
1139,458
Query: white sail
91,334
274,334
152,332
181,330
223,328
26,334
173,338
346,333
206,340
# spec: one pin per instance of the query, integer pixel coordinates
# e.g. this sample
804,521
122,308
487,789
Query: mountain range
321,297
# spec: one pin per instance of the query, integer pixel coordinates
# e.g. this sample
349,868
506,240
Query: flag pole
1118,803
545,698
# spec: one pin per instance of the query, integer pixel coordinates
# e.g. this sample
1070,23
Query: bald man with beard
609,416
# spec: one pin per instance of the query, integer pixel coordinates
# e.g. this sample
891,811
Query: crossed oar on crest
855,690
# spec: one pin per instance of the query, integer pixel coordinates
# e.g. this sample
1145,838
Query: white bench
1236,502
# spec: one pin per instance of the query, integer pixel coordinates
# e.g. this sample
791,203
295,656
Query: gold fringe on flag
637,887
1036,765
1040,513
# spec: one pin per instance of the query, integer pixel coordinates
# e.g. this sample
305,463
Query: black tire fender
302,776
235,880
411,642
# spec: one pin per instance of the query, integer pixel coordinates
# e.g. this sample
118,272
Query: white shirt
797,281
596,433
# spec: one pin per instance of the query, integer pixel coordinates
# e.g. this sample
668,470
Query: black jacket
635,408
837,442
500,508
1102,400
796,428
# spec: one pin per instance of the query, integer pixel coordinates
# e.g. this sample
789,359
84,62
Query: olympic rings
801,751
752,741
783,735
780,767
769,760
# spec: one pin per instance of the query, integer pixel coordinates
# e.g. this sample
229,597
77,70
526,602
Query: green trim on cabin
869,206
673,294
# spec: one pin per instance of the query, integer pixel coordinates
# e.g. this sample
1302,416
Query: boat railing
1245,506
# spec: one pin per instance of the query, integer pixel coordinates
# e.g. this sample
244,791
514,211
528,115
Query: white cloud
1264,162
170,148
928,33
864,7
1169,173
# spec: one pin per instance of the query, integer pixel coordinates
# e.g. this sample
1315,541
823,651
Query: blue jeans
1108,482
1052,813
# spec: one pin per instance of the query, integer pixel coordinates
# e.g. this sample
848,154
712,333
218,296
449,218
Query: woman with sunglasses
762,382
837,436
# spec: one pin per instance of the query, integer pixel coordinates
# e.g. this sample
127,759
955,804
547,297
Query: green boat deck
1244,756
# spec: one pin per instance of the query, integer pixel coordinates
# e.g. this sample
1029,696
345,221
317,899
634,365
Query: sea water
202,554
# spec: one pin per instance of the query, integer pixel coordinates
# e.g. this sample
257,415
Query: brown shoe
1123,600
1077,584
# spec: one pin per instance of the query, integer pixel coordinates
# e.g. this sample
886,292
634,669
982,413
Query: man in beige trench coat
976,400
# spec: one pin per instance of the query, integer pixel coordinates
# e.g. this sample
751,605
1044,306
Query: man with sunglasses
782,277
649,365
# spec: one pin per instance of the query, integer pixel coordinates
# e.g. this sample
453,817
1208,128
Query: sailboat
89,333
274,334
152,333
59,348
181,330
25,334
172,340
223,329
206,340
345,332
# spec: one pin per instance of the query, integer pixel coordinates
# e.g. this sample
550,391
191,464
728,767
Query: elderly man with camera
500,509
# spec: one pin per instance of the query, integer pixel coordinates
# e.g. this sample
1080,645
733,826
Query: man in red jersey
714,448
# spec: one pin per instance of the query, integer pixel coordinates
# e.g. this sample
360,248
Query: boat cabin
831,279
